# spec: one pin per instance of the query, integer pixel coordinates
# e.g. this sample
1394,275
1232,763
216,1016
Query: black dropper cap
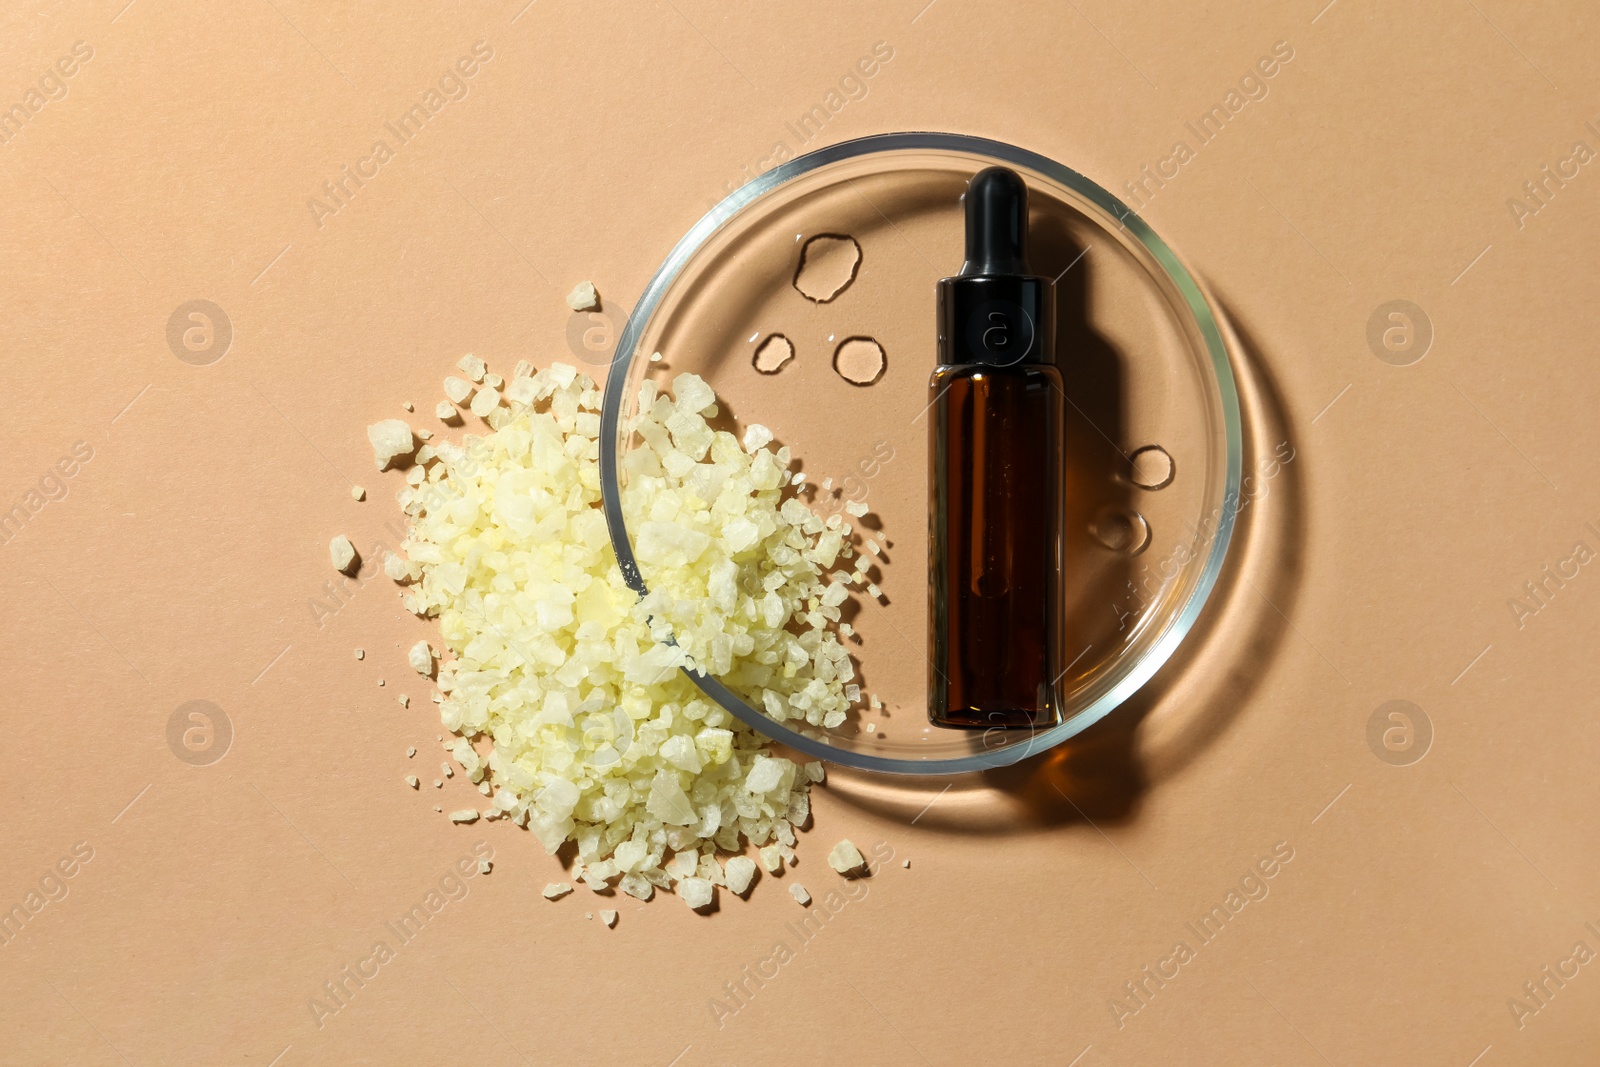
996,312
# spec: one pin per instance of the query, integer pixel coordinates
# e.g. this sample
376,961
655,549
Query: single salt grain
556,890
771,859
405,701
609,918
474,367
361,654
583,297
484,866
390,439
410,752
358,493
739,871
445,410
438,783
756,436
413,781
493,381
343,553
846,858
857,508
905,863
445,769
815,771
655,357
457,389
486,401
437,808
421,658
464,815
696,892
799,893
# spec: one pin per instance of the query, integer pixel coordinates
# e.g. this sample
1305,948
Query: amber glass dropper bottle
994,496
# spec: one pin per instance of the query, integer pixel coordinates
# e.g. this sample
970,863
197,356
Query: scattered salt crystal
342,552
696,892
583,297
413,781
421,658
445,410
361,654
493,381
390,438
405,701
410,751
740,871
771,859
446,771
556,890
857,508
799,893
457,389
609,918
815,771
484,866
756,436
473,366
358,493
905,863
655,357
464,815
486,401
846,858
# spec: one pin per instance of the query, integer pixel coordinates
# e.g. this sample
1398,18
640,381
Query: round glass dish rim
709,224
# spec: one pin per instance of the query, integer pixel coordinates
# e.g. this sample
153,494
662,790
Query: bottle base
995,719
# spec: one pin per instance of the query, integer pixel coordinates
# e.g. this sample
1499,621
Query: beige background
180,563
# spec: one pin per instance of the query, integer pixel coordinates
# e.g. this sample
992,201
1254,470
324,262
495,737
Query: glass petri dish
806,299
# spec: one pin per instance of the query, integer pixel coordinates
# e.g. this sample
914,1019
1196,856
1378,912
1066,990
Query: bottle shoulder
945,373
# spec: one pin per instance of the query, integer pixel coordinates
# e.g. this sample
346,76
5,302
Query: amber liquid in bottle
994,482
